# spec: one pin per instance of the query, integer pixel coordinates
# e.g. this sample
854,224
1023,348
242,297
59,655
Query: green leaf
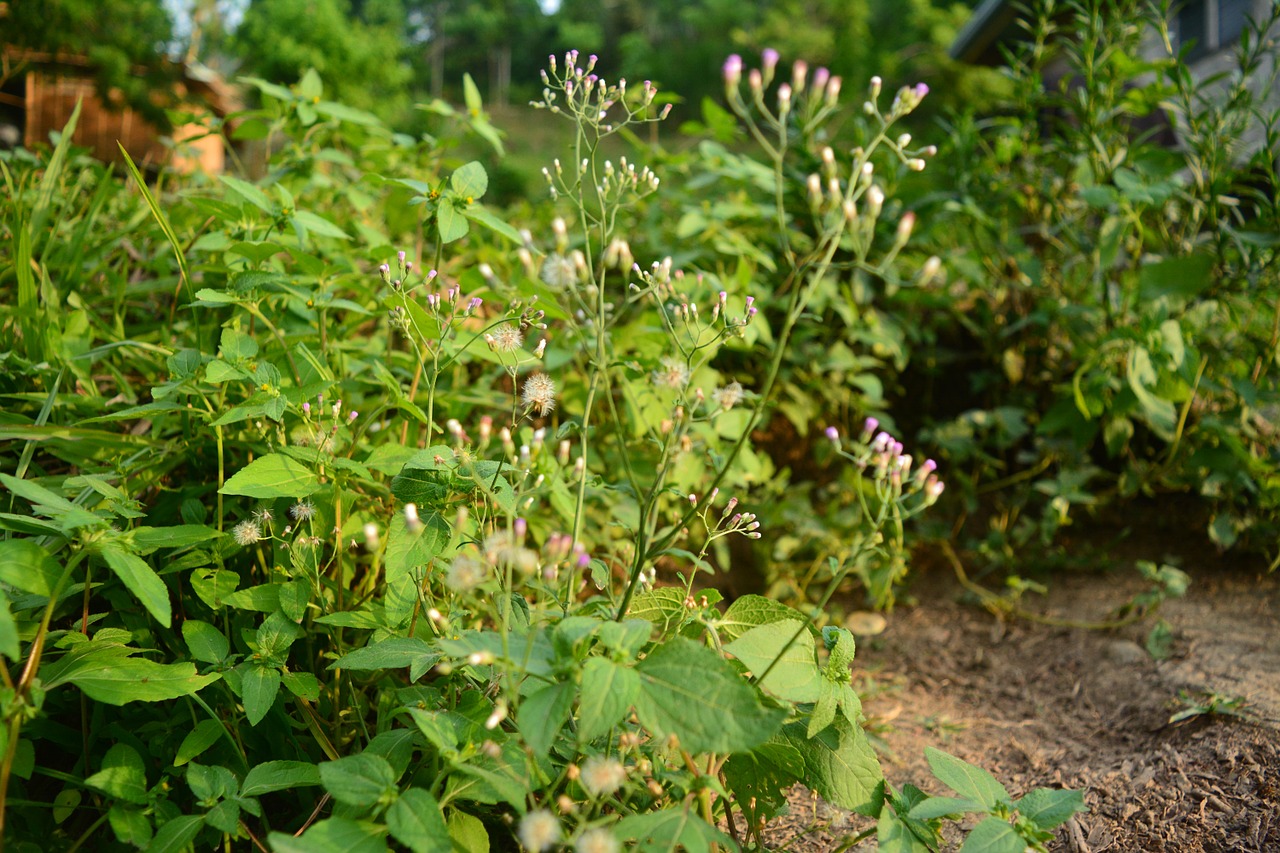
272,476
203,736
1048,808
993,835
236,345
393,653
130,825
543,713
471,95
1180,277
123,775
141,580
52,505
965,779
211,782
663,607
359,780
839,762
124,680
476,213
894,835
301,684
795,677
669,830
751,611
276,634
28,567
176,835
279,776
249,193
608,692
9,645
936,807
470,181
452,224
212,586
691,692
205,642
335,835
415,820
1161,414
468,833
316,224
179,536
258,686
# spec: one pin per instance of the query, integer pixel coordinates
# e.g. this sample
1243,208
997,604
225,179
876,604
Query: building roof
979,41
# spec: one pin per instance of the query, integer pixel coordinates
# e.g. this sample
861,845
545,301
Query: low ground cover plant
313,543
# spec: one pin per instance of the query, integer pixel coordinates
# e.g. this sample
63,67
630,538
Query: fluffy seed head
539,394
602,776
539,830
246,533
598,840
507,338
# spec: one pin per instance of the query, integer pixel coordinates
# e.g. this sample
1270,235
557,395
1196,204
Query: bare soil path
1045,706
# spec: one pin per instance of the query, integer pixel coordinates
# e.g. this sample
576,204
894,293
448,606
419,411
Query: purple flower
833,434
733,70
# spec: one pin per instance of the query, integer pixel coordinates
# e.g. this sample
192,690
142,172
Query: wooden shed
41,96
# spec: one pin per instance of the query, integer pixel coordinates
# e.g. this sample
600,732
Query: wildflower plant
461,606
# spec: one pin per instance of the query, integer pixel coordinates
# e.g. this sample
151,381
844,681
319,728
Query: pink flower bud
732,71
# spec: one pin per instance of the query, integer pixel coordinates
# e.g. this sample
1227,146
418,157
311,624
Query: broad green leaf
28,567
795,677
936,807
279,776
276,634
209,296
301,684
264,598
9,646
476,213
393,653
122,680
1048,808
203,736
1181,278
211,782
470,181
894,835
965,779
359,780
1161,414
839,762
993,835
259,685
752,611
842,653
129,824
176,835
608,692
52,505
205,642
691,692
236,345
316,224
248,192
272,476
141,580
179,536
407,551
543,713
670,829
123,776
334,835
212,586
761,778
467,833
663,607
452,224
415,820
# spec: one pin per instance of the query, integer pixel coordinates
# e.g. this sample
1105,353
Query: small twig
324,801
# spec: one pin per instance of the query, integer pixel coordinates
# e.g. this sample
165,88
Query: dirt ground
1047,706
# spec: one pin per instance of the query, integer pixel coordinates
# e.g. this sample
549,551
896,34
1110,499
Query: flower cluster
878,451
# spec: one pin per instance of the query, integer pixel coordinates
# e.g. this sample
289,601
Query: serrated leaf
141,580
274,776
123,775
839,762
28,567
258,685
670,829
608,692
122,680
894,835
272,476
358,780
392,653
965,779
212,586
211,782
415,820
664,608
751,611
467,833
691,692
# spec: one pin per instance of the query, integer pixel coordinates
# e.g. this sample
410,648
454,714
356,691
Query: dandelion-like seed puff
539,394
507,338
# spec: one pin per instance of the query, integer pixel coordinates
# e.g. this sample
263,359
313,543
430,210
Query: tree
361,60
